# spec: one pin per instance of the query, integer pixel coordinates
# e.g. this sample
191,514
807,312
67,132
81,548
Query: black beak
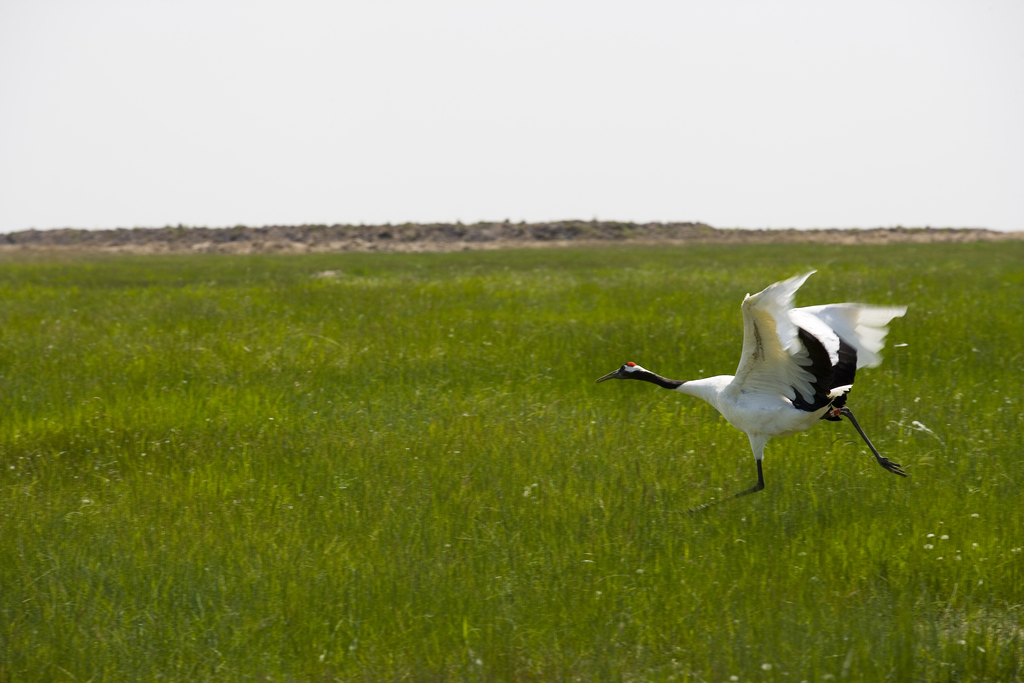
614,374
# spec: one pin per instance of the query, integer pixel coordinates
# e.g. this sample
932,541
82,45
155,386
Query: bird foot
891,466
886,463
759,486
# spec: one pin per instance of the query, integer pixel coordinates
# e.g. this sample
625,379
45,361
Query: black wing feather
843,374
821,368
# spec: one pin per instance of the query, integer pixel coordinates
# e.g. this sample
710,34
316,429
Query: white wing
773,357
861,326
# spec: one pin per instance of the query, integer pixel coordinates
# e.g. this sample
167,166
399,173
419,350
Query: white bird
797,367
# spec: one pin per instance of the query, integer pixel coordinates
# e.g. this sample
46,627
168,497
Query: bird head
627,371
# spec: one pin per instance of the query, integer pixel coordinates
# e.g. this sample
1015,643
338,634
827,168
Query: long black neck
648,376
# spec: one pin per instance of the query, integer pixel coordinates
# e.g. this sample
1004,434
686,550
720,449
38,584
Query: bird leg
756,487
753,489
889,465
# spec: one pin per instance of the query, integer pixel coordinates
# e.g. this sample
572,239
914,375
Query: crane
797,368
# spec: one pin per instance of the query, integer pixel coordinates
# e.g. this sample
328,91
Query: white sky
748,114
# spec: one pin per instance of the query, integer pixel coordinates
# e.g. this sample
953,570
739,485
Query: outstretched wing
775,358
861,326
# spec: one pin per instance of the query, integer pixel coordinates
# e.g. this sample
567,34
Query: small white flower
928,546
975,515
944,537
766,667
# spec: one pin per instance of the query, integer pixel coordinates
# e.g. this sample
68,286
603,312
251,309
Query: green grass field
227,469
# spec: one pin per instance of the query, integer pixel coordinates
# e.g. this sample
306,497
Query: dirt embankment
453,237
